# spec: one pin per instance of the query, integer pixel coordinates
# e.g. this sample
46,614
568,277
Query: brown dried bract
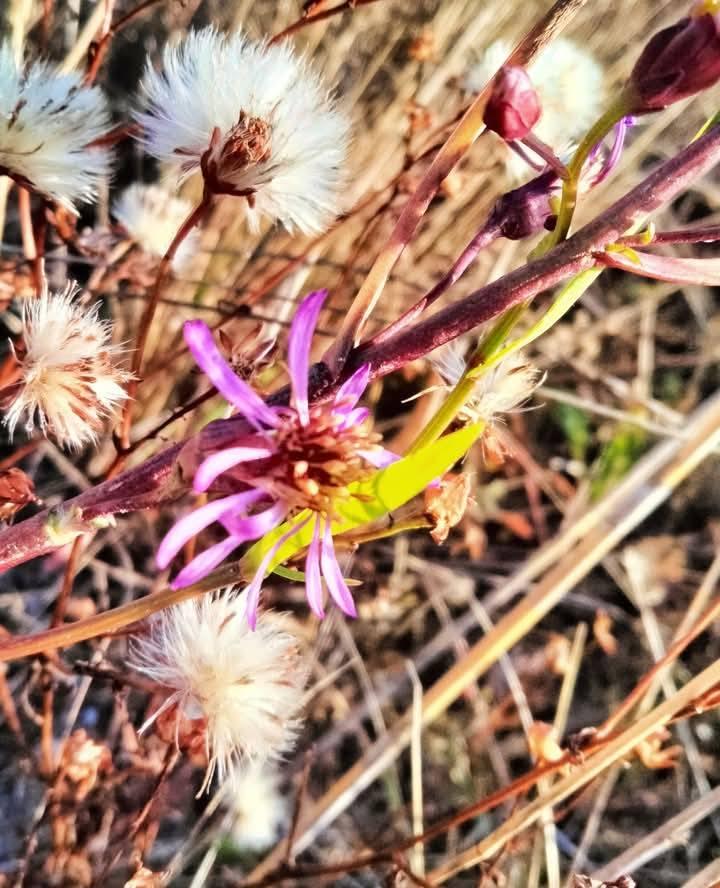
587,882
445,504
602,630
16,491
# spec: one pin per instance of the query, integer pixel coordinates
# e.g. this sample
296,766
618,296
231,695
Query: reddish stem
194,218
158,480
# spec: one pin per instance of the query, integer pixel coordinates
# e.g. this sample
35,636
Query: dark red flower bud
514,107
678,62
527,210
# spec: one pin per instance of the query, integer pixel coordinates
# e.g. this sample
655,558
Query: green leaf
386,490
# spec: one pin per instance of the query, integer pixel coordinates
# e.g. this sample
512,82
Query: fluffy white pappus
504,388
571,85
244,686
152,217
69,384
280,138
48,121
261,812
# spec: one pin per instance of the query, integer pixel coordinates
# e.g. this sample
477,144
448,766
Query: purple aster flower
298,457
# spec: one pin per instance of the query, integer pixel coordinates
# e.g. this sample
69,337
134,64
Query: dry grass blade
649,484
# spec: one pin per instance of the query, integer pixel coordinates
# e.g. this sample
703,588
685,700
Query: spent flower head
69,383
270,133
49,123
241,690
152,216
502,389
298,458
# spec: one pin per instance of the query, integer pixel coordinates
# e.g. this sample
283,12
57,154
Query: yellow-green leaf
386,490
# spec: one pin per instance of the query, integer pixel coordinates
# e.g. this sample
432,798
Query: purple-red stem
159,480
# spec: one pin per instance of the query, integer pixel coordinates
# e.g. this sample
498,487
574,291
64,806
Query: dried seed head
68,384
261,812
271,134
48,124
502,389
152,217
242,689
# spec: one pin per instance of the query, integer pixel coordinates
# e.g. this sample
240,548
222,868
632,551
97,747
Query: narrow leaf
676,269
386,490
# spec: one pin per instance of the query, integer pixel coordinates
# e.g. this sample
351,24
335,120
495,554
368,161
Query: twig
320,16
457,144
673,832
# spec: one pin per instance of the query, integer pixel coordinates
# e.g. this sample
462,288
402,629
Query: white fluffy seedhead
47,122
152,217
570,82
280,138
260,812
245,686
69,384
504,388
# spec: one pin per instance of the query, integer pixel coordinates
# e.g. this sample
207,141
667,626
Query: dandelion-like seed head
260,810
48,124
502,389
271,134
68,382
242,689
569,81
152,216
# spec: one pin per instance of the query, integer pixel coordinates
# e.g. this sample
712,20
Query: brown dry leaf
587,882
656,757
516,523
557,653
423,48
144,878
445,505
420,118
544,747
602,630
82,762
16,491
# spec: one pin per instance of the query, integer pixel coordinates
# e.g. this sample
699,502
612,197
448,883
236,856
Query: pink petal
298,350
253,590
613,158
353,417
205,562
313,581
191,524
380,458
677,269
223,460
336,584
352,389
255,526
199,339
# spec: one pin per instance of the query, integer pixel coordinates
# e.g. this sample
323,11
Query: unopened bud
527,210
514,107
678,62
